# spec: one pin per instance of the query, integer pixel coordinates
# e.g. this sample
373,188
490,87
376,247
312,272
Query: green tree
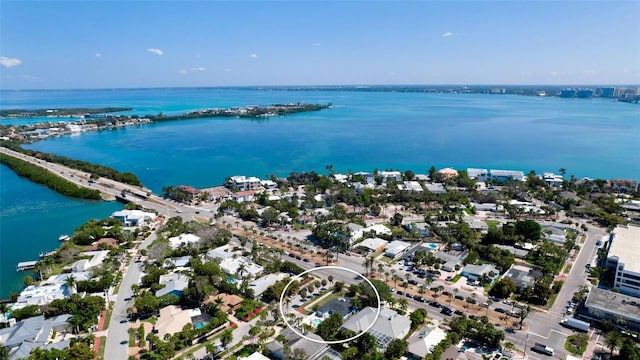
612,340
396,348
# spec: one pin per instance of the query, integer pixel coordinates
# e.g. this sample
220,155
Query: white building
243,183
39,295
616,307
373,244
261,284
624,259
502,176
412,186
269,184
221,252
176,241
480,175
389,324
379,229
390,175
396,248
239,267
552,179
97,258
133,217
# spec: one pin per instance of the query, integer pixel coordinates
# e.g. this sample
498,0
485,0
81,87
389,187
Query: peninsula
89,122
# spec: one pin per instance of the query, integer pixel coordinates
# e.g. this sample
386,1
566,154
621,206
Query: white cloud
253,56
198,68
9,62
316,44
227,70
447,34
155,51
98,55
183,72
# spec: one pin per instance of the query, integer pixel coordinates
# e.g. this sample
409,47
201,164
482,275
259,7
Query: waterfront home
387,326
502,176
436,188
448,173
552,180
480,175
96,259
39,295
35,332
174,284
368,177
390,175
133,217
176,241
243,183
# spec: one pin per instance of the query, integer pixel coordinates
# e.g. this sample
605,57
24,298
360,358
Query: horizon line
334,86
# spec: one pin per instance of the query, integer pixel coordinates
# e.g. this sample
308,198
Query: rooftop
388,326
625,305
626,246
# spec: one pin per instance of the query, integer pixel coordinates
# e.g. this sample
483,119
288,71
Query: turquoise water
363,131
231,281
32,217
432,246
198,325
316,322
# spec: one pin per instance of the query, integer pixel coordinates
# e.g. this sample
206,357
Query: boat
64,237
44,254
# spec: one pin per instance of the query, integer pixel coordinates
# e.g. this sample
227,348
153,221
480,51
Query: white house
379,229
133,217
373,244
243,183
396,248
390,175
173,284
232,266
176,241
389,324
97,258
480,175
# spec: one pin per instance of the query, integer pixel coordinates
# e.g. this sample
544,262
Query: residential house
261,284
133,217
230,302
522,276
396,248
450,261
518,253
502,176
436,188
422,342
174,284
254,356
552,180
480,175
24,336
421,229
243,183
448,173
221,252
475,272
372,245
623,185
239,267
342,306
178,262
244,196
314,350
387,326
368,177
176,241
390,175
355,232
96,258
378,229
412,186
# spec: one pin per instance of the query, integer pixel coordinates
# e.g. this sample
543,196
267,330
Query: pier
26,265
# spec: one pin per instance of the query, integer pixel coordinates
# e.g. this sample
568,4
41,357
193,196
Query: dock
26,265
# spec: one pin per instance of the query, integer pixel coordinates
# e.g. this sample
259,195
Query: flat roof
613,302
626,246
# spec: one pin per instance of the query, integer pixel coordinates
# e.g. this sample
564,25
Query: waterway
594,138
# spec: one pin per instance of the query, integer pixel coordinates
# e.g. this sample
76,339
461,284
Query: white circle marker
299,276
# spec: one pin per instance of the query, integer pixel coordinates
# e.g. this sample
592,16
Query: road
111,189
119,324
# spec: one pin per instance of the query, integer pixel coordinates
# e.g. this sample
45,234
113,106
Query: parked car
413,282
501,310
446,293
459,297
400,293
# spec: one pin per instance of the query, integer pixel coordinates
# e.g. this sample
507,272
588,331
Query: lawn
567,269
108,318
132,337
103,343
576,344
456,278
243,352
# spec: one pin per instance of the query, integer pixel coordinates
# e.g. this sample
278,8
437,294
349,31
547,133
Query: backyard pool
316,322
198,325
432,246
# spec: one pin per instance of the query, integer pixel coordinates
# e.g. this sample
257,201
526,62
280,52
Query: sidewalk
99,333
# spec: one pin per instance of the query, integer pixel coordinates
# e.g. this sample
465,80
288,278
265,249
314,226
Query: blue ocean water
363,130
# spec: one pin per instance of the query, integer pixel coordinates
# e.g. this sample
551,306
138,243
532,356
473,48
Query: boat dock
26,265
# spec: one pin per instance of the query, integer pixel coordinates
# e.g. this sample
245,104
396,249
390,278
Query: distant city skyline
138,44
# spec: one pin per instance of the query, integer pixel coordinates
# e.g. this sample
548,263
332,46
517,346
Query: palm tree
450,298
523,313
489,302
70,283
403,304
330,278
473,296
395,280
226,338
456,290
612,340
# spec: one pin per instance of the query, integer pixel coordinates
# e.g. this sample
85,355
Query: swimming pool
316,322
198,325
432,246
231,280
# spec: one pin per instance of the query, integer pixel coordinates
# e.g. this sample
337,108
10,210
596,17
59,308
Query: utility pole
526,341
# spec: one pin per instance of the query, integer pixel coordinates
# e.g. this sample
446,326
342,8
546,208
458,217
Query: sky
136,44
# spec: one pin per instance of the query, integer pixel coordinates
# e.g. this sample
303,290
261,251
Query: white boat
63,237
